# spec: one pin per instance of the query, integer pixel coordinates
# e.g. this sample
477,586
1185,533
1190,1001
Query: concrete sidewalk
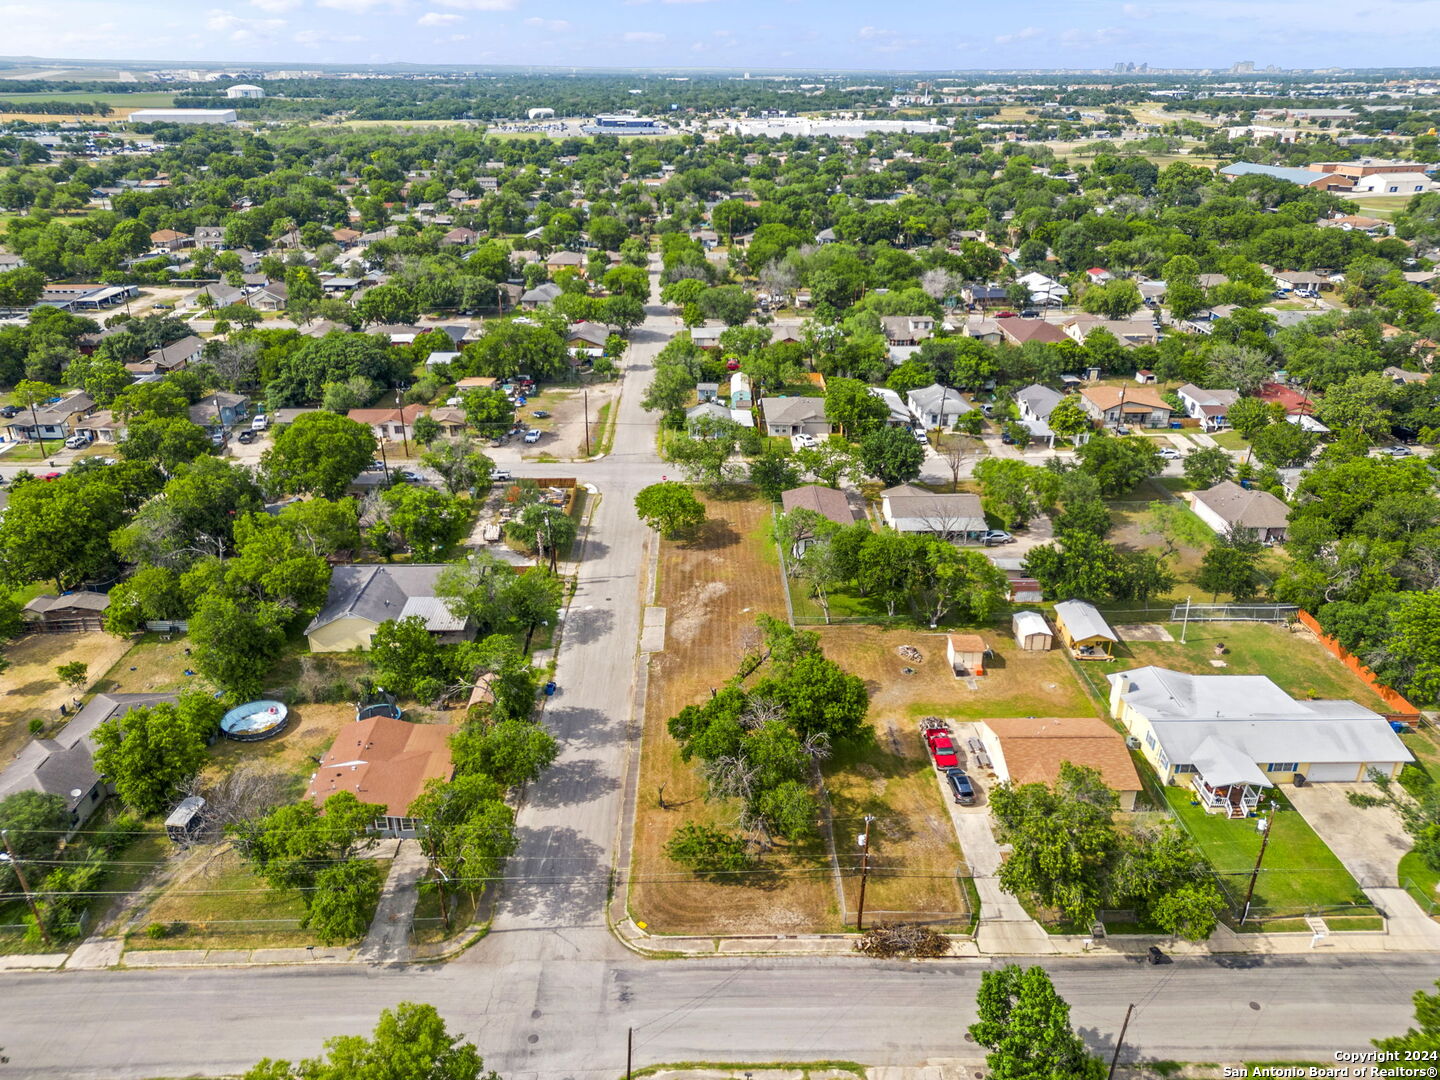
389,938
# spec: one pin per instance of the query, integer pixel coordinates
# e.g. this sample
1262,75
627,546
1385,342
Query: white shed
1031,631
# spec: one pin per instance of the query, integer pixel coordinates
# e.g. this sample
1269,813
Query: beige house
1030,750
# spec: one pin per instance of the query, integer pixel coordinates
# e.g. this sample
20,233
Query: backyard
1294,660
32,690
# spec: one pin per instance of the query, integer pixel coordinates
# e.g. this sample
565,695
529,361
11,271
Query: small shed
68,613
1032,632
185,819
707,391
1084,630
966,653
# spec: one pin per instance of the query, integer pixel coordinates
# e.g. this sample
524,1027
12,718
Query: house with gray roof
1227,506
936,406
1210,407
1036,402
1230,736
544,293
911,509
786,416
361,597
65,765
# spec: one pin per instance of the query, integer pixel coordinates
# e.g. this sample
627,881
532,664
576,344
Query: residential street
550,993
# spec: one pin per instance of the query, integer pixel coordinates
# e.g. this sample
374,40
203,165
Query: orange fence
1402,709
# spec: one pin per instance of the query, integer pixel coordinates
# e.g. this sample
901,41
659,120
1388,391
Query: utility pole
1115,1059
1185,626
384,460
629,1052
1264,826
24,885
864,871
586,392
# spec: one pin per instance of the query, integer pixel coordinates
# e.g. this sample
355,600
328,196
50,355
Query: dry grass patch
1015,683
151,666
31,689
713,588
311,730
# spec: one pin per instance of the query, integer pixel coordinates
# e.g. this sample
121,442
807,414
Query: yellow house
363,597
1230,736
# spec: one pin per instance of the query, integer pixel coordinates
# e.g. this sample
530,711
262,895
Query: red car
942,749
51,476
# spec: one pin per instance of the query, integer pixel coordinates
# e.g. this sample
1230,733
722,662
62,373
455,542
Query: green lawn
1295,662
1230,440
1420,881
1300,874
144,99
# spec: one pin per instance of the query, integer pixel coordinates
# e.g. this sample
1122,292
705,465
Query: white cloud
871,33
1136,11
359,7
557,26
479,5
1025,34
1105,35
642,36
687,1
241,30
322,37
435,18
275,7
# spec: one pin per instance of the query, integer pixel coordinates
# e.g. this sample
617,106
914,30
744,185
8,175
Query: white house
936,406
899,414
911,509
1045,291
1210,407
787,416
1228,506
740,396
1230,736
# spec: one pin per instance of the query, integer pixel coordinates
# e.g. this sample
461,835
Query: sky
730,34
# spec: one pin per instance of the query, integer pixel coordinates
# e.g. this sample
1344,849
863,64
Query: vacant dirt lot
31,689
565,428
712,590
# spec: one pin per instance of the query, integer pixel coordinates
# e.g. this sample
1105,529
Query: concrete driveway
1368,841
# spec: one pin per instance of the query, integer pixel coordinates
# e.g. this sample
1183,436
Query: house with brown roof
384,761
70,613
1019,331
169,240
825,501
393,425
1113,405
1030,750
457,236
1228,506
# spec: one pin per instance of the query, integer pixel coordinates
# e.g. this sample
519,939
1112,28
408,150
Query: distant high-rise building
1243,67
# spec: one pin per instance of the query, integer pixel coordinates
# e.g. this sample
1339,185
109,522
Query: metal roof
1083,621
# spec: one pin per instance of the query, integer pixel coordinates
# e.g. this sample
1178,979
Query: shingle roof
1034,747
823,500
793,410
1040,399
374,593
1251,509
383,760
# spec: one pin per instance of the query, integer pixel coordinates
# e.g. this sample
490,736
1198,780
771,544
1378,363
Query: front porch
1232,800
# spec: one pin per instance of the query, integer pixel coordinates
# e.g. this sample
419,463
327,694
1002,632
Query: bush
708,852
157,930
117,835
37,725
1416,781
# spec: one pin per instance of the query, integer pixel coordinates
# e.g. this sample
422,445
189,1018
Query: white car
533,435
805,440
1170,453
77,442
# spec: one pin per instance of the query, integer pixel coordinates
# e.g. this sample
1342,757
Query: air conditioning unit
1132,742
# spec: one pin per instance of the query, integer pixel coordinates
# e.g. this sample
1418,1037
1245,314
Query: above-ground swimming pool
255,720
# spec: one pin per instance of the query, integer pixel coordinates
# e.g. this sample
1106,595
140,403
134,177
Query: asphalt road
567,1018
550,993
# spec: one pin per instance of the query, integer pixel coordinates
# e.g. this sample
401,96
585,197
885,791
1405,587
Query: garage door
1344,771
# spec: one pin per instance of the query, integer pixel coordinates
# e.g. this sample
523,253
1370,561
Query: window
1150,739
1164,760
1394,189
1185,769
1283,766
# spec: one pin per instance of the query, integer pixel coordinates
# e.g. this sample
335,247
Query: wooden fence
1401,709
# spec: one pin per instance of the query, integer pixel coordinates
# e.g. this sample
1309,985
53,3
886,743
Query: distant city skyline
735,34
